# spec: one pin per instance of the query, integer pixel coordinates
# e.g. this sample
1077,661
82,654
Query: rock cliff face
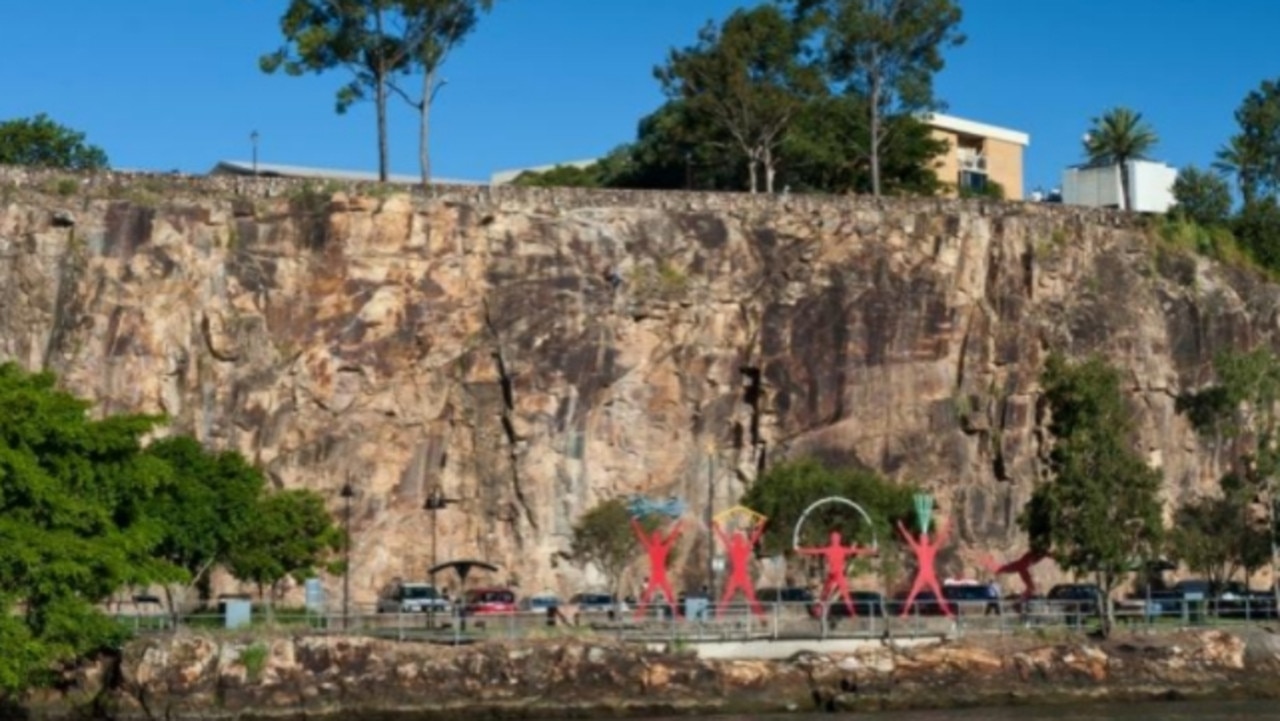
532,352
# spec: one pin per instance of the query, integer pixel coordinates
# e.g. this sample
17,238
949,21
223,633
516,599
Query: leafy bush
1203,197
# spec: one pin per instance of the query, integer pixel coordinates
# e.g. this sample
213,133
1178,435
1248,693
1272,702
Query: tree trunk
380,100
751,173
1125,200
875,134
769,171
1106,612
424,128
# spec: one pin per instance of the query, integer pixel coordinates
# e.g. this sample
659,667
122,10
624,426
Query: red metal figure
836,556
738,547
658,547
926,554
1022,567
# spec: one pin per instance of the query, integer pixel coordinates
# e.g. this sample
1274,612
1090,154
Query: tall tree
747,77
1242,412
1216,536
603,538
321,35
291,535
1253,154
431,29
42,143
818,158
886,51
203,505
1243,160
1100,512
1116,137
73,526
1202,196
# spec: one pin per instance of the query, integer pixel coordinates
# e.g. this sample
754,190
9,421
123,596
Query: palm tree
1240,158
1118,136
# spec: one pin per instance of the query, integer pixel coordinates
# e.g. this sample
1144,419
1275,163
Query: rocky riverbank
207,677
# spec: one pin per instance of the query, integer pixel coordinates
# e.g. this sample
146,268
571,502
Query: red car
488,601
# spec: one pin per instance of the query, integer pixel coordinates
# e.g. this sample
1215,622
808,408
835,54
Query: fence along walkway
781,621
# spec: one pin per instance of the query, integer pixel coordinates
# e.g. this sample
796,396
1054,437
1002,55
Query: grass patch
254,660
1177,233
672,279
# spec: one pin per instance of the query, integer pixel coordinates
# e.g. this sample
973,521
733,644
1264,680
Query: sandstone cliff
532,352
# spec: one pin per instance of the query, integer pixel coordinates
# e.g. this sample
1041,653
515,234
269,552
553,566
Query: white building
1150,186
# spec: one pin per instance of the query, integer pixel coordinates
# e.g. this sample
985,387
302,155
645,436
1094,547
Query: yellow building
978,154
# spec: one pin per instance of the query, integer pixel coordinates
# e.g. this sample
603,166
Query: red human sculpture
1022,567
835,556
926,554
658,547
738,547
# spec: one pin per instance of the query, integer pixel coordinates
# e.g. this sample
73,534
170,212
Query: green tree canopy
1100,511
203,504
1239,412
820,153
784,491
1216,536
431,29
1116,137
379,42
563,176
603,538
885,51
40,142
1253,154
355,35
746,78
73,526
290,535
1202,196
1242,159
1257,227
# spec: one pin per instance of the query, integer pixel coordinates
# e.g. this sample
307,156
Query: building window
971,181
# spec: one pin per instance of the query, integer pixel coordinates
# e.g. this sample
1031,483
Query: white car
414,598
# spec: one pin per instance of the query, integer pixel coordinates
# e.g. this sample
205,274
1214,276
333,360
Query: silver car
413,598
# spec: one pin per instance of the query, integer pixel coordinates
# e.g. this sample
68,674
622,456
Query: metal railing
779,621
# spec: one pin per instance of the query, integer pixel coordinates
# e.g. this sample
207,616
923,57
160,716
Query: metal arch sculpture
795,536
836,554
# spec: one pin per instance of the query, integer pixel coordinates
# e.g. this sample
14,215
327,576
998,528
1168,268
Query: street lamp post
348,492
711,508
253,138
435,502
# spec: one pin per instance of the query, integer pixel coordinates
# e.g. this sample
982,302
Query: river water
1167,711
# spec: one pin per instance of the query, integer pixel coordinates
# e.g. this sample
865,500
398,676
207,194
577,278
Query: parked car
1193,597
594,603
540,602
865,604
972,599
413,598
926,604
789,598
488,601
1074,600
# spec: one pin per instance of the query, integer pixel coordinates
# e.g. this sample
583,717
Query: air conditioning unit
973,162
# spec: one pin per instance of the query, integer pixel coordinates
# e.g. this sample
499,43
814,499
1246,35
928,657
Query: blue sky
174,84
